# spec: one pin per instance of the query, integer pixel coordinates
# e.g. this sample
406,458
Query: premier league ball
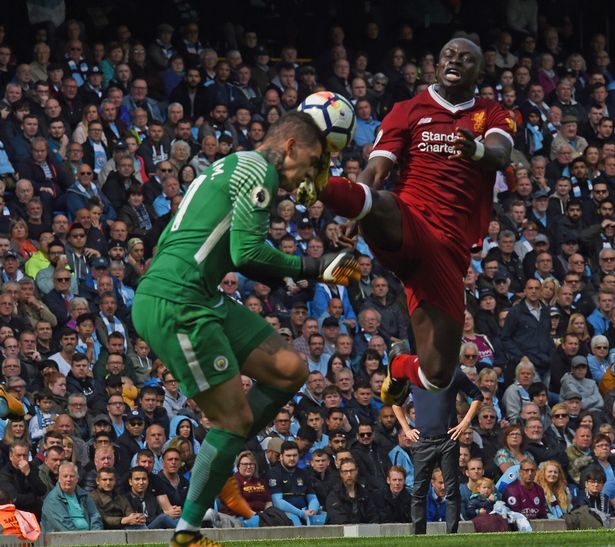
334,115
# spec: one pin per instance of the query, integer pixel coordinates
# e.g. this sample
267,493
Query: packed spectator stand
103,129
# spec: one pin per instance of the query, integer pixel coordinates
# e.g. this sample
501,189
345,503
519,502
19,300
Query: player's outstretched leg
10,406
377,210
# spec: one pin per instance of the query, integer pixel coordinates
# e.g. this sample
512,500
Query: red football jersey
454,196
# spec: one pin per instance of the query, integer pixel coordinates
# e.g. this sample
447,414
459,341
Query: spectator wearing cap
308,81
486,318
305,439
330,330
504,297
91,92
161,50
305,232
131,440
567,134
270,455
11,267
262,72
527,331
538,211
576,381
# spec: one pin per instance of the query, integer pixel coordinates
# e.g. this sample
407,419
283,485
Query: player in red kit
448,144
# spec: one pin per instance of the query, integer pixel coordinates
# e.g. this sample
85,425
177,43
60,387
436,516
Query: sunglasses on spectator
560,415
470,356
365,435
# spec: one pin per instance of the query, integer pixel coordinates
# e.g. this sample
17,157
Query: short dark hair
288,445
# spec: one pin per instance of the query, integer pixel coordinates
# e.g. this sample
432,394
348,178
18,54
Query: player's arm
253,257
493,153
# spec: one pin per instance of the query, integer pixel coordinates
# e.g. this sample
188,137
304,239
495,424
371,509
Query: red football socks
406,367
345,197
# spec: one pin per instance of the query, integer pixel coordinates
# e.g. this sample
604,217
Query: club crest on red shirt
479,121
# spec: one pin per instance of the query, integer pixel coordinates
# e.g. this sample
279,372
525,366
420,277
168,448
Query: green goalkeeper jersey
221,226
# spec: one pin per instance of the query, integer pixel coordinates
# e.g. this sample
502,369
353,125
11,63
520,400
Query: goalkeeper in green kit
206,339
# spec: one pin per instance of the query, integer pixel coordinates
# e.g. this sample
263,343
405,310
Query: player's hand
412,434
456,432
464,143
346,234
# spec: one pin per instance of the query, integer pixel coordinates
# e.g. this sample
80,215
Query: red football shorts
430,264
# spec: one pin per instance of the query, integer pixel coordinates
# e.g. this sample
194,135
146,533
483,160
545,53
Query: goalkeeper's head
294,145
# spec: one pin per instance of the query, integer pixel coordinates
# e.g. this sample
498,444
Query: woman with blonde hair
552,479
18,233
80,134
577,324
548,291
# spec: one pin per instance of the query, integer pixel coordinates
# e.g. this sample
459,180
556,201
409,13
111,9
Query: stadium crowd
99,141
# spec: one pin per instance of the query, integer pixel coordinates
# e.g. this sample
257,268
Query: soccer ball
334,115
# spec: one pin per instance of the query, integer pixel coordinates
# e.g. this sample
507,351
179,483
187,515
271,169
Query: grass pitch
584,538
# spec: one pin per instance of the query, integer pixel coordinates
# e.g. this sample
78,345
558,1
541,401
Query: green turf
584,538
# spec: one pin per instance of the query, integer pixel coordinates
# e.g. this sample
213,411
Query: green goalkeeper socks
213,466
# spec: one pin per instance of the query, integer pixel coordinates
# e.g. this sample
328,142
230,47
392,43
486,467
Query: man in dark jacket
394,501
21,481
392,319
527,332
561,362
349,502
373,460
323,475
191,95
538,448
132,440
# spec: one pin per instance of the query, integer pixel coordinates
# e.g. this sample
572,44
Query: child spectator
44,415
483,498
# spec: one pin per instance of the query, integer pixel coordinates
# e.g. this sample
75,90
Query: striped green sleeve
252,186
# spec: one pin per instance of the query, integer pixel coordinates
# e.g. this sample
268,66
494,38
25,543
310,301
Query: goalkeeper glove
338,268
309,190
